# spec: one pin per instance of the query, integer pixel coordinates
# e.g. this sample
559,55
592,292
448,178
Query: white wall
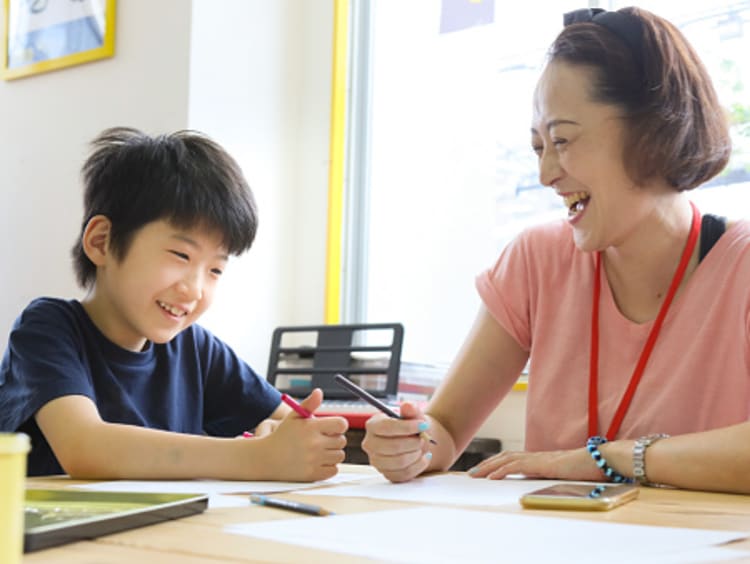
262,88
46,122
253,74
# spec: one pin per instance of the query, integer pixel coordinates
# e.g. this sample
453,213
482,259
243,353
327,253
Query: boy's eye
558,142
183,256
537,149
217,271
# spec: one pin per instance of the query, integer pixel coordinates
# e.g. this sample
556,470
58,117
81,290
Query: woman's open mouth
576,202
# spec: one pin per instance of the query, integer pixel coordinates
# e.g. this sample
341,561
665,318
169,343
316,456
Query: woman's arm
716,460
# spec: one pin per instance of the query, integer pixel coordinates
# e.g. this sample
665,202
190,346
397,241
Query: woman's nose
549,168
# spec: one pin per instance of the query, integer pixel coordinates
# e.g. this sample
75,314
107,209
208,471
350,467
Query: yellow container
14,448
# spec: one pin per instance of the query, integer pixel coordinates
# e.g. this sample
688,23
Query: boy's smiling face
162,285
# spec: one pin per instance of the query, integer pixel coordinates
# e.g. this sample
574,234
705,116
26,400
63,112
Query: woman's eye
537,149
559,142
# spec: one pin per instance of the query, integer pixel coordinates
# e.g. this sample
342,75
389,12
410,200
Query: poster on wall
45,35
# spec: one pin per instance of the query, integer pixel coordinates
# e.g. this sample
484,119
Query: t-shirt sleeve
42,362
236,397
505,290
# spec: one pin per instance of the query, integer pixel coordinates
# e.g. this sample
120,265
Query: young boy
123,384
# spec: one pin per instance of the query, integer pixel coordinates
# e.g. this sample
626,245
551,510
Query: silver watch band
639,456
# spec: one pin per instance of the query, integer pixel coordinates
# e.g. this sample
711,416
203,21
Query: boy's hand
307,449
313,401
265,428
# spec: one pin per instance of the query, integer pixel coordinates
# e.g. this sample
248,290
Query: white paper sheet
216,487
438,534
445,489
217,501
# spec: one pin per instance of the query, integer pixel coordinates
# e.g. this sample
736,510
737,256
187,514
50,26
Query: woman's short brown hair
676,130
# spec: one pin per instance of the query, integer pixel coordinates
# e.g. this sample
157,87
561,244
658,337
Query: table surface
201,539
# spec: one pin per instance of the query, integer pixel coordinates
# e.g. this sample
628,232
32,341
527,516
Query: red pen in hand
291,402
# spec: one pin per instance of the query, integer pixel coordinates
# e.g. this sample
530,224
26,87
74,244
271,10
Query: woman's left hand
560,465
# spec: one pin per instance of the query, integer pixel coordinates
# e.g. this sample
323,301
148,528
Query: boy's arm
270,424
88,447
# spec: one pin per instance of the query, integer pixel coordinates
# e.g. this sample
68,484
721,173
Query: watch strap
639,456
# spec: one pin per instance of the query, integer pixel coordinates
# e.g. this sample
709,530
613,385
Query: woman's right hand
395,447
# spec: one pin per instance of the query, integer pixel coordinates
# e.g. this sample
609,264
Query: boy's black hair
184,178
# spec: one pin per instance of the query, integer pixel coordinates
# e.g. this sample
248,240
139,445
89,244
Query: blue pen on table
305,508
372,400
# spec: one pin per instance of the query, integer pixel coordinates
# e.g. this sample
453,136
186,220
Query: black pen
290,505
372,400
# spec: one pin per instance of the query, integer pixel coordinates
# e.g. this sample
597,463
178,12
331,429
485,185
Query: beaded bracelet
592,445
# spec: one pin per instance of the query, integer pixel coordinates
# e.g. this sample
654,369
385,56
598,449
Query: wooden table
200,538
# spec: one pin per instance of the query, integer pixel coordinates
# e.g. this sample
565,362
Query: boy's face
164,283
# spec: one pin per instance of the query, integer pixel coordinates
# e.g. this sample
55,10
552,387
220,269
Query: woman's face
580,148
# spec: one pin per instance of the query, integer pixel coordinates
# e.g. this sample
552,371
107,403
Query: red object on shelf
356,420
358,415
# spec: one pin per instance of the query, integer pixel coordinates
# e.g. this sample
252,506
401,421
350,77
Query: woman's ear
95,239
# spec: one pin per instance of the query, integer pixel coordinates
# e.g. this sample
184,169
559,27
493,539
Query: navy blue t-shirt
193,384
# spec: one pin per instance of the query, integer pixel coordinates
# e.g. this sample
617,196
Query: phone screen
580,496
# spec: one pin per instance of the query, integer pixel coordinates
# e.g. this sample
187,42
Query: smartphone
580,496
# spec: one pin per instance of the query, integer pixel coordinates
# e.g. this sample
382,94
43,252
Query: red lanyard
627,397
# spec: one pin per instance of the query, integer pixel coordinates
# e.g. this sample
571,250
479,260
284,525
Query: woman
633,313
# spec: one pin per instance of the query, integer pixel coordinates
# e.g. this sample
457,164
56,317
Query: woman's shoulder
731,252
545,250
738,226
558,229
548,241
737,235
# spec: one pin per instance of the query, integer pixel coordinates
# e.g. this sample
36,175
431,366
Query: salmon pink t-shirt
698,375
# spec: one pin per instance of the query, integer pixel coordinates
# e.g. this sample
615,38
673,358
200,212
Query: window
444,175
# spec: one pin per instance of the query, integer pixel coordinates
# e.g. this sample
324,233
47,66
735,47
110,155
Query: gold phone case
580,497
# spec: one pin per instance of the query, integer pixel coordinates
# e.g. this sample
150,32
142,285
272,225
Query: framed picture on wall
44,35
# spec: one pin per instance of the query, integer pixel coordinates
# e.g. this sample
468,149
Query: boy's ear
95,239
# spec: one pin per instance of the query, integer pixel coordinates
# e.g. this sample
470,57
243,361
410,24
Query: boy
123,384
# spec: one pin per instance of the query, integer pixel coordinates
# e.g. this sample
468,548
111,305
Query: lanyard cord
650,342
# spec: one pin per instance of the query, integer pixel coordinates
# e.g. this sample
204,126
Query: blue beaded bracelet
592,445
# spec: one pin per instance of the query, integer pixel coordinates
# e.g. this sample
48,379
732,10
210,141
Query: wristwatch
639,456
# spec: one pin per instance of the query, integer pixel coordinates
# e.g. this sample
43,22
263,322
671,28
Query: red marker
291,402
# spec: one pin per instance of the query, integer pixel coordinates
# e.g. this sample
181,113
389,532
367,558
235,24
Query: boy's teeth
170,309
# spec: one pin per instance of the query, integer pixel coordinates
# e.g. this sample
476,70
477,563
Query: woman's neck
640,269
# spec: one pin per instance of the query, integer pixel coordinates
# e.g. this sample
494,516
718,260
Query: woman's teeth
574,198
576,202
